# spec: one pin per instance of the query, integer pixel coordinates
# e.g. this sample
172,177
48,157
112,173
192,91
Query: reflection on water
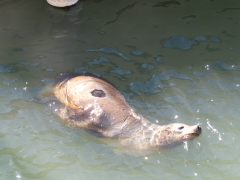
173,61
109,50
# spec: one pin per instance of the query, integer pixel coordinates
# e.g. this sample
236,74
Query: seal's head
184,132
157,136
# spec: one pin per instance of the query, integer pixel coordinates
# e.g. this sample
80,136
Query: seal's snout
198,130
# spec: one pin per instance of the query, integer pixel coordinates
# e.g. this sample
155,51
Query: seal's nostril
199,128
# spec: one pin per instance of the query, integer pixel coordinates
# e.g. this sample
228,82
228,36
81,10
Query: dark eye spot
180,128
98,93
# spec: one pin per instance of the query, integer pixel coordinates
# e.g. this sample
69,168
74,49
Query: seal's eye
180,128
98,93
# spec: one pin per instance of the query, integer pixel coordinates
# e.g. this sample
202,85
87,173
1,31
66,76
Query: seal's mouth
192,134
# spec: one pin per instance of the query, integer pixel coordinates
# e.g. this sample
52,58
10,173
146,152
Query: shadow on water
174,61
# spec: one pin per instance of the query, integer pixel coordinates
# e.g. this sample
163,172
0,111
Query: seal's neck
142,133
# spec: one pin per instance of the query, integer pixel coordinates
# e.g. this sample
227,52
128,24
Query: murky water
174,61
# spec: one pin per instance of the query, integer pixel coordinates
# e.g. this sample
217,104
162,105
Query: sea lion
96,105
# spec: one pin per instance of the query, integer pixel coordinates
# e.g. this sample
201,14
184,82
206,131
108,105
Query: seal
97,106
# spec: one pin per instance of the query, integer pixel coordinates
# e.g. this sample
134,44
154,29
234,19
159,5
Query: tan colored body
96,105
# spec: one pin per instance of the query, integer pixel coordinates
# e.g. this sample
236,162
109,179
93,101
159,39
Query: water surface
174,61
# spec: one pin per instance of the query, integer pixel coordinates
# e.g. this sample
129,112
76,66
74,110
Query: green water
174,61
